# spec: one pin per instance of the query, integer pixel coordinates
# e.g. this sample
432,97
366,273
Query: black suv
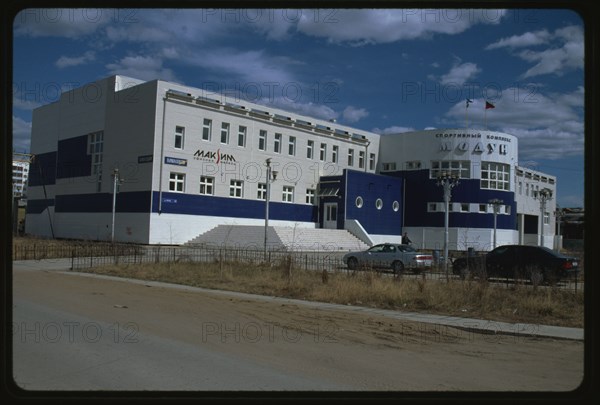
536,263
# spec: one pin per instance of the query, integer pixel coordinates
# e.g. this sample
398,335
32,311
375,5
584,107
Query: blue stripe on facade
42,170
420,190
177,203
38,206
132,201
73,159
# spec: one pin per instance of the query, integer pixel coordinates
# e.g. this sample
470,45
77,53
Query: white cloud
353,114
66,61
141,67
61,22
564,52
546,125
523,40
253,66
308,109
21,134
460,74
370,26
392,130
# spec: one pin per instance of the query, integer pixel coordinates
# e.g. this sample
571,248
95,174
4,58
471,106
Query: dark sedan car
536,263
390,255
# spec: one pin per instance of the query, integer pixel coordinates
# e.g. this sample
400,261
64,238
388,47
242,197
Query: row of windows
467,207
263,138
359,202
532,190
236,188
494,176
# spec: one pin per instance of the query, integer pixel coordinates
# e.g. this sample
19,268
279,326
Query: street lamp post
447,181
271,176
496,203
545,195
116,179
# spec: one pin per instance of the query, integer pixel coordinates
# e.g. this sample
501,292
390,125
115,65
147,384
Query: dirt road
310,349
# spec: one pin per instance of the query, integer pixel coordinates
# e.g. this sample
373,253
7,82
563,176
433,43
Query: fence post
73,258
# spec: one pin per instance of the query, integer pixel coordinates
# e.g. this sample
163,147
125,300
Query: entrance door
330,215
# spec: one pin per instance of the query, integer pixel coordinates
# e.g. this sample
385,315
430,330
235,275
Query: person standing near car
405,239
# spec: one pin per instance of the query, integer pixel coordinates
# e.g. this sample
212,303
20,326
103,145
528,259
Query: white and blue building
189,160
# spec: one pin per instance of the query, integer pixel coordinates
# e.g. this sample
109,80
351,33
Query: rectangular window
225,133
520,187
361,159
262,140
236,188
546,218
288,194
177,182
458,168
310,196
323,152
371,161
292,146
207,185
483,208
96,147
206,129
309,149
495,176
464,207
277,143
388,167
432,207
179,133
350,157
242,136
334,153
261,193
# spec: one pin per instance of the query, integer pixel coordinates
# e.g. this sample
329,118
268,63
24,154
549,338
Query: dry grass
518,304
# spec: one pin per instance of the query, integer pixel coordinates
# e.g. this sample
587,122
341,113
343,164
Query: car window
406,248
389,249
376,249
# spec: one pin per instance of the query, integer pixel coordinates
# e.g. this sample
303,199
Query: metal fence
87,255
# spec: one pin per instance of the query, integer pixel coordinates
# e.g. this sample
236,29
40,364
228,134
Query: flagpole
485,118
467,116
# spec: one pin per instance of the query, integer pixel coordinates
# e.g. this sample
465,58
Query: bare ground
361,351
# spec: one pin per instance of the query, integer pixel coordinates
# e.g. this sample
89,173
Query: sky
381,70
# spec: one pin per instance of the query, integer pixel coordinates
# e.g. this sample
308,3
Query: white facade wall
245,163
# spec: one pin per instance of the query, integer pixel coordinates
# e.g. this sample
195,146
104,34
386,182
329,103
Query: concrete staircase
279,238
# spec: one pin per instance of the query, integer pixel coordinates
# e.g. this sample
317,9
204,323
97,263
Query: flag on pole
489,105
469,101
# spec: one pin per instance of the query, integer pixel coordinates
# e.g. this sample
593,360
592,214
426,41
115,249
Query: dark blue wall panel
133,201
73,159
42,170
38,206
371,187
176,203
420,190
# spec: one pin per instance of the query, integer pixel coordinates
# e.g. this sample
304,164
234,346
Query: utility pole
448,181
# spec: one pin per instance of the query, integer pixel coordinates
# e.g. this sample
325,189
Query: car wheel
398,267
352,263
460,269
536,276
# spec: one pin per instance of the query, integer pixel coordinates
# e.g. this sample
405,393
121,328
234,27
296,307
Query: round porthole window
396,206
379,204
359,202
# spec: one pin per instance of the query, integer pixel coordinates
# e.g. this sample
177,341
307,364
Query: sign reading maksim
214,156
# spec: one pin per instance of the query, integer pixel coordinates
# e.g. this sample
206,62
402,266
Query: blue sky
380,70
